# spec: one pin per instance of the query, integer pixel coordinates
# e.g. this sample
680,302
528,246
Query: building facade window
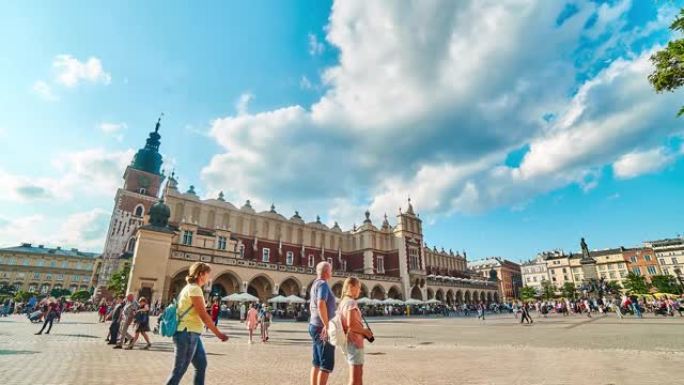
621,265
330,261
75,278
636,270
414,261
289,258
60,277
12,261
85,278
138,211
41,263
53,264
26,262
48,276
674,261
241,250
662,261
36,275
647,257
221,243
265,255
187,237
381,265
65,264
633,258
311,260
652,270
32,287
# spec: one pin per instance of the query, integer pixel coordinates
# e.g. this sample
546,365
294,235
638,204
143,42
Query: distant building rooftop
57,251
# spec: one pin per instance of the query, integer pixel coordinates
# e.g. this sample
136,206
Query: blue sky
515,127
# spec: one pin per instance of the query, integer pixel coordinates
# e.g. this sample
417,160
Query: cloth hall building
266,253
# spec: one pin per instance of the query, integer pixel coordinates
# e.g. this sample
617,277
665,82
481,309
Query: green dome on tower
148,158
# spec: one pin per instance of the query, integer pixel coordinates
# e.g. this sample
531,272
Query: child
142,321
265,321
251,321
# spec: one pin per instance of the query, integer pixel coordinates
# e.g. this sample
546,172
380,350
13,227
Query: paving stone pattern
557,350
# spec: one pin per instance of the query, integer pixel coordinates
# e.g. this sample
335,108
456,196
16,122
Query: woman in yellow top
187,342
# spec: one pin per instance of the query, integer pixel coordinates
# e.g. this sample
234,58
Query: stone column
150,258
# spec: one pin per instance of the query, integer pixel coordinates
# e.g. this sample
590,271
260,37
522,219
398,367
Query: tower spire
156,128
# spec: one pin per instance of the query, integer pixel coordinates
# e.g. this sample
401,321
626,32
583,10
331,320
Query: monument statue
585,252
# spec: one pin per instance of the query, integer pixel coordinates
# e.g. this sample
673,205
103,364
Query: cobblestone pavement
557,350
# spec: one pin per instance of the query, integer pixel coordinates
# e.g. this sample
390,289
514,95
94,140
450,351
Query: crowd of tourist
129,319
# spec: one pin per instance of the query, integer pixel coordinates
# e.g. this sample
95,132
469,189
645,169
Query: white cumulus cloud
429,98
71,71
44,90
636,163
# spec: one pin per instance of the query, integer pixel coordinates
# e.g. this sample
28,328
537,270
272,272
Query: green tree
23,296
548,290
668,74
636,284
569,290
117,283
57,292
527,293
665,284
81,296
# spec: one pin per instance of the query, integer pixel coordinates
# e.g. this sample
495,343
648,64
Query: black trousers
525,317
50,320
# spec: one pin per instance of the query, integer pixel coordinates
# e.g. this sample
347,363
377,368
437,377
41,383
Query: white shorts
354,355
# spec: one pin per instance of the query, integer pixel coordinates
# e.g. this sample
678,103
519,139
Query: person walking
102,310
322,309
481,310
128,315
243,312
188,346
635,306
142,322
350,315
215,310
115,316
616,306
525,314
251,321
265,322
50,316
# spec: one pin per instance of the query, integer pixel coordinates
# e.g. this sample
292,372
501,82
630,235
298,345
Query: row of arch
263,287
451,297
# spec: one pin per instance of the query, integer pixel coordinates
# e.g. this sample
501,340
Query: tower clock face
144,181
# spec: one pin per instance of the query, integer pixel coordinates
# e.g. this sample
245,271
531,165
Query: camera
370,339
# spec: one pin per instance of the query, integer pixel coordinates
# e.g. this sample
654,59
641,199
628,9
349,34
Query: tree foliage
666,284
527,293
668,74
569,290
81,296
23,296
117,283
636,284
57,292
548,290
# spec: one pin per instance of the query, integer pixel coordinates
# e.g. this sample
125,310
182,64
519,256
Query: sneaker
129,347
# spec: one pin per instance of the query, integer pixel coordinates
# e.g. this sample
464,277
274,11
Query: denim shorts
354,355
323,351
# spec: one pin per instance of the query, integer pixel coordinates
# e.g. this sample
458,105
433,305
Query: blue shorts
323,351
